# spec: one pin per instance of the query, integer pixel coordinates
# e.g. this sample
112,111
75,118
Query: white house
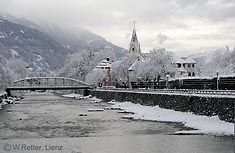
186,67
104,64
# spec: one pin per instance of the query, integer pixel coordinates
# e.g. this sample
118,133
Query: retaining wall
210,106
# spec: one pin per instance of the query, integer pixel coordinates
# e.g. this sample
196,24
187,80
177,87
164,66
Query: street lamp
27,71
167,80
217,80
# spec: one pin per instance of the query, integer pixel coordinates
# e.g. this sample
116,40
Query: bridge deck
47,88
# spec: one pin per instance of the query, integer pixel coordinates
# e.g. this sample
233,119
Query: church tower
134,44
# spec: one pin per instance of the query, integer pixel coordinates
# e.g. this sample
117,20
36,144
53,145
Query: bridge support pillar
8,93
86,92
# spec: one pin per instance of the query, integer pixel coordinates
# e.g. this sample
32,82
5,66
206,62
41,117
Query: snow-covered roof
134,46
104,64
177,59
181,60
190,60
108,47
133,65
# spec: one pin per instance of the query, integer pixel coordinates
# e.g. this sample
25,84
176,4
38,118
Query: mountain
78,39
207,56
38,49
45,47
74,39
220,60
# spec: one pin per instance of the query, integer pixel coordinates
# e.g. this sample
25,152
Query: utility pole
217,80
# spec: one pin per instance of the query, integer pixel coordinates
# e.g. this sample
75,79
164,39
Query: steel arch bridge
48,83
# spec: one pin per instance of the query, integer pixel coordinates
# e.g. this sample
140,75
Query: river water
48,123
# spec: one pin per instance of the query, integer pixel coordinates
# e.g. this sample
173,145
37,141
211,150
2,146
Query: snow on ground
9,100
89,98
95,100
2,93
39,58
202,124
14,53
77,96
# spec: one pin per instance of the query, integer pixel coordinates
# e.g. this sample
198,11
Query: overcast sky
183,26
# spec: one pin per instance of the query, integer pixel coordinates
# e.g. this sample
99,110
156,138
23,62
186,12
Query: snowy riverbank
80,97
9,100
202,124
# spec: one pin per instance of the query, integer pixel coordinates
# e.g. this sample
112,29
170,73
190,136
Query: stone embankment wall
210,106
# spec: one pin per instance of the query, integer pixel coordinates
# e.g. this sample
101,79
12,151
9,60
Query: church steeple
134,44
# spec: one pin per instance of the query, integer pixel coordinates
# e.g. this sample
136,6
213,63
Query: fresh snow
89,98
39,58
78,96
2,93
3,35
14,53
95,100
202,124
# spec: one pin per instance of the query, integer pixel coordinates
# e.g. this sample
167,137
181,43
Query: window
133,49
193,65
183,65
189,65
178,65
193,74
189,74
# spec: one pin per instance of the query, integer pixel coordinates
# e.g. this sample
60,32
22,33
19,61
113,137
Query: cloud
161,38
184,21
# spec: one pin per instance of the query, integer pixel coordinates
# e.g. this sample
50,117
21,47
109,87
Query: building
186,67
104,64
134,47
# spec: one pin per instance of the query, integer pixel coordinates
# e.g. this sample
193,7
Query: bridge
48,83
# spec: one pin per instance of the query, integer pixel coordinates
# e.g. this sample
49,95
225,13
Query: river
48,123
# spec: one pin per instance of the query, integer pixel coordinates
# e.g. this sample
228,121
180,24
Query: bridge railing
49,81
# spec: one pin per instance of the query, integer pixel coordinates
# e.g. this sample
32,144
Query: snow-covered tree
16,69
158,62
222,61
3,74
79,65
96,76
10,70
119,69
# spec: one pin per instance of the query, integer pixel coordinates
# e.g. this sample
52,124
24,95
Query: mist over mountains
45,47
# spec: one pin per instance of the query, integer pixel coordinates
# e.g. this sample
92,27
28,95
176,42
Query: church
185,67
